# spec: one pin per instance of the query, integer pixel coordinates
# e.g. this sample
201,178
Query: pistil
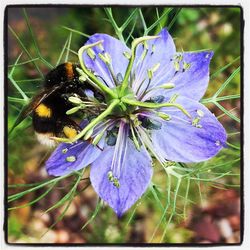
134,45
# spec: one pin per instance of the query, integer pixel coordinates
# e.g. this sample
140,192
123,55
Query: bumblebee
48,108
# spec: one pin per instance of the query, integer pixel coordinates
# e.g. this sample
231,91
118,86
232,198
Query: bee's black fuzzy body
49,107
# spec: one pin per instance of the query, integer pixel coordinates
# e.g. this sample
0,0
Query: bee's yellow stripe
69,70
43,111
69,132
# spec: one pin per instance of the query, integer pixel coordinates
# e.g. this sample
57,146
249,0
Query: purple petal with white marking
134,179
68,158
179,140
115,48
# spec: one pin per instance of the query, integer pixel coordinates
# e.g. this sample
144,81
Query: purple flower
152,108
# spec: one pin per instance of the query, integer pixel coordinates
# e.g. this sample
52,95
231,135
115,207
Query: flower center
123,109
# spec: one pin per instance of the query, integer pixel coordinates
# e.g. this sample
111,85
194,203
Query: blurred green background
206,211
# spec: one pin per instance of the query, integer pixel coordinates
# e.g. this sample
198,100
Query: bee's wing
33,104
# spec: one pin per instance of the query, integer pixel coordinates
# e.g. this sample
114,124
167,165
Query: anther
127,55
88,134
196,121
136,122
100,47
173,98
153,70
83,78
153,49
144,53
178,57
116,183
164,116
75,100
98,138
145,45
150,74
186,66
176,66
105,58
73,110
200,113
64,151
91,53
168,85
110,176
113,179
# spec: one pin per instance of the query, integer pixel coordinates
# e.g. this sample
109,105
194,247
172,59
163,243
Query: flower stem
154,105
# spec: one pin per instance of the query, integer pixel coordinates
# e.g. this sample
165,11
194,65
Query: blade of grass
31,33
158,16
186,199
233,146
93,215
16,100
21,194
62,52
34,40
68,48
165,209
224,85
159,20
35,200
29,80
23,63
227,112
174,18
224,68
10,76
68,196
220,98
25,50
117,29
143,22
73,52
70,199
75,31
158,201
129,19
131,31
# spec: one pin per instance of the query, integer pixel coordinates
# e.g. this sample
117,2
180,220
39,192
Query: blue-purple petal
71,157
160,50
134,180
115,48
192,78
180,140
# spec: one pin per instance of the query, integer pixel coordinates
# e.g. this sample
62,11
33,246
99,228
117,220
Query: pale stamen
146,141
120,150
